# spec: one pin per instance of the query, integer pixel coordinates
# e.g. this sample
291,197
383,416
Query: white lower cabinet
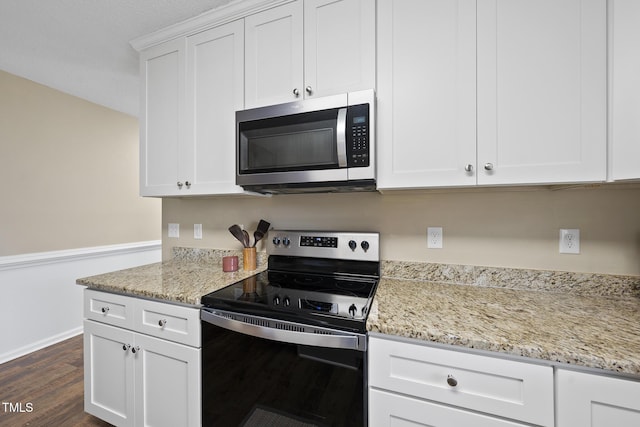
393,410
585,399
135,379
415,384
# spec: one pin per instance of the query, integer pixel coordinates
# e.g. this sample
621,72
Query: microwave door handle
341,137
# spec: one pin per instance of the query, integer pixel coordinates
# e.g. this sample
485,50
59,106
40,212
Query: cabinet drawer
516,390
168,321
391,410
109,308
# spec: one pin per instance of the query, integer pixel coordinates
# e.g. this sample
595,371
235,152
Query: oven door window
299,142
248,381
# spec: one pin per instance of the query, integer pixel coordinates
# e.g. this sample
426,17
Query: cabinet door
273,55
392,410
108,373
541,91
167,383
426,93
597,401
624,89
162,86
215,90
339,46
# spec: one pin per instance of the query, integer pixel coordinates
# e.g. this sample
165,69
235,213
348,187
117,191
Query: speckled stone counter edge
585,284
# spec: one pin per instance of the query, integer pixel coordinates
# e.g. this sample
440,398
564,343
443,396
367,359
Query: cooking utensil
263,227
246,239
237,233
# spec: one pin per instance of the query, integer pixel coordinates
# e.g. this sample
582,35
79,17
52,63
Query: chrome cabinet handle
488,166
296,92
104,310
452,381
188,184
135,349
162,323
309,90
126,347
180,185
469,167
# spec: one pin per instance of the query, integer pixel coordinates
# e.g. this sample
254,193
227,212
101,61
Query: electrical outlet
173,230
569,241
197,231
434,237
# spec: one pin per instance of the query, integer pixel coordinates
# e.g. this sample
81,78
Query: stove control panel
324,244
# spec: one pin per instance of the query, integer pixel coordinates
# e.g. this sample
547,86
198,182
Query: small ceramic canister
230,263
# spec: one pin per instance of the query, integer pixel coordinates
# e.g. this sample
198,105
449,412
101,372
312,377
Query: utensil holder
249,258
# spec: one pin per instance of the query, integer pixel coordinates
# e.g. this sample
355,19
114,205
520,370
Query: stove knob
276,241
353,245
286,241
365,245
352,310
276,300
286,302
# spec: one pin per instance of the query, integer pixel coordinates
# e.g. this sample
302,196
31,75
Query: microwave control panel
358,135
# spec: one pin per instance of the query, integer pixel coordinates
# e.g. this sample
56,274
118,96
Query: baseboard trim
23,351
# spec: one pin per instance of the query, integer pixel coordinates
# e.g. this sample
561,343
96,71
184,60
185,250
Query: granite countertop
579,327
191,274
579,319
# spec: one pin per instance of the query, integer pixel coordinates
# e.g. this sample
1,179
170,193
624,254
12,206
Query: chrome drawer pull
162,323
105,310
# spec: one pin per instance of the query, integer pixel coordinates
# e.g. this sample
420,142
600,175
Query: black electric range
327,279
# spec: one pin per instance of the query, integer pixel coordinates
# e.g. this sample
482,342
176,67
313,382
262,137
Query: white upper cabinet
215,90
309,48
162,80
339,46
426,93
491,92
192,87
542,91
273,55
624,89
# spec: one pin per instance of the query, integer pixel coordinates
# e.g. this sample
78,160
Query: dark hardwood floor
45,388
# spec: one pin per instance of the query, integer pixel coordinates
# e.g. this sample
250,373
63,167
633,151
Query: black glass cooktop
325,299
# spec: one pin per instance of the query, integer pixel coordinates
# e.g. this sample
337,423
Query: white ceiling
81,47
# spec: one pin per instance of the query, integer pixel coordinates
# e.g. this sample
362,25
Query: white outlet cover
173,230
197,231
434,237
569,241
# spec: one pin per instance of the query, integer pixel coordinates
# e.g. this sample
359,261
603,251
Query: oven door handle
350,342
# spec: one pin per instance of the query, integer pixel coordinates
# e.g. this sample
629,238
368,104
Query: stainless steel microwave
321,144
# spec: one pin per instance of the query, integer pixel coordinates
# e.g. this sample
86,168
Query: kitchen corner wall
510,227
69,173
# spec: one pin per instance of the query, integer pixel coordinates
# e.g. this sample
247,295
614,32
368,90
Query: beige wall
68,173
494,227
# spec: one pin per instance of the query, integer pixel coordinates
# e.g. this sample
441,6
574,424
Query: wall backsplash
510,227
